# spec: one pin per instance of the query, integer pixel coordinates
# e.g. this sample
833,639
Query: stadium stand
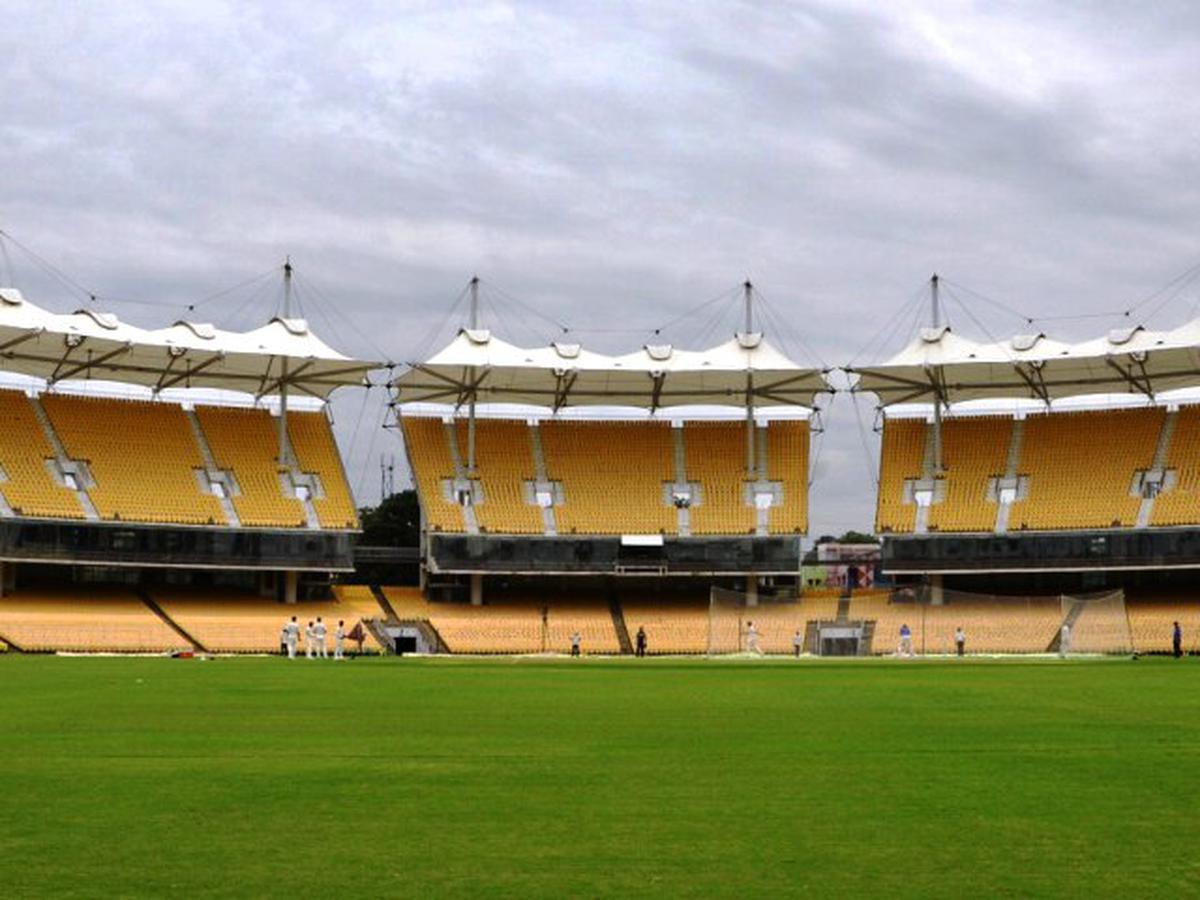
995,625
316,451
974,450
84,619
716,454
787,463
1152,617
27,485
901,458
512,623
246,442
1079,481
612,475
1181,506
242,622
432,463
504,463
141,455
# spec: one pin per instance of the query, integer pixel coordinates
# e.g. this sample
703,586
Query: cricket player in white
292,630
339,638
319,633
308,640
752,638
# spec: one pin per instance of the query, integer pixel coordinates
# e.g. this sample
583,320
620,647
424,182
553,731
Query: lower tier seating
83,619
235,622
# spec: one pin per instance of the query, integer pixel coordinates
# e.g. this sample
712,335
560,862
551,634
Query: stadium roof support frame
941,367
87,345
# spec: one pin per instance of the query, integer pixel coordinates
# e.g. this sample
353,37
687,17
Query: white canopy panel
940,365
476,365
94,345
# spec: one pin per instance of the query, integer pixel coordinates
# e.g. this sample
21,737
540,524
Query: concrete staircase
618,618
153,606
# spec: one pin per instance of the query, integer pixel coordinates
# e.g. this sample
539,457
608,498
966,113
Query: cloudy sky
605,166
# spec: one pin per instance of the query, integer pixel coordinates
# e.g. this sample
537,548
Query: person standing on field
752,638
339,640
308,640
640,641
319,633
292,630
960,640
906,647
576,640
1177,641
1064,641
798,642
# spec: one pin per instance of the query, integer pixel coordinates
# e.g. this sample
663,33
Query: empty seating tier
234,622
317,452
612,475
85,620
432,463
504,463
1081,466
1181,506
247,442
974,451
27,483
142,457
787,455
716,457
901,459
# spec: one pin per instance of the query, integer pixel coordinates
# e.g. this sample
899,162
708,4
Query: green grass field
459,778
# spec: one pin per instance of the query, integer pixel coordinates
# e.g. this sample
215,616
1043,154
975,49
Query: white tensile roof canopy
477,367
281,355
940,366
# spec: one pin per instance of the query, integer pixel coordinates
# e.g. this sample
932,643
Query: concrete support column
752,590
937,594
291,580
5,570
477,589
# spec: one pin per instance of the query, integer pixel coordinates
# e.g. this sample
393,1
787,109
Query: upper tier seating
974,450
1081,465
787,455
84,619
902,453
247,441
504,460
142,456
612,475
1077,470
316,451
431,462
1181,506
27,484
716,457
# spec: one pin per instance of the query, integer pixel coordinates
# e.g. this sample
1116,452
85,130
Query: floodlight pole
285,450
936,319
474,325
751,461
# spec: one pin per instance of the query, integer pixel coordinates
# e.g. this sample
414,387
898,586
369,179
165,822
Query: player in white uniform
319,633
339,638
752,638
292,630
308,640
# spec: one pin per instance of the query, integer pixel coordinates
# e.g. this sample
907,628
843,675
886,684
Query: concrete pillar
291,581
752,590
477,589
937,594
5,569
